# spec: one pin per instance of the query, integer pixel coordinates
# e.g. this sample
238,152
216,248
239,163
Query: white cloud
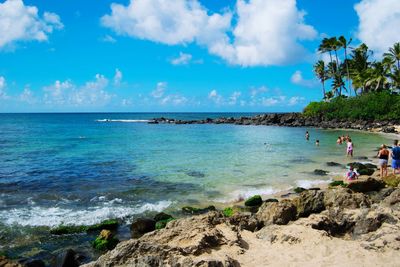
295,100
297,78
183,59
92,93
27,96
174,99
108,39
23,23
160,90
233,99
378,24
257,91
215,97
3,94
272,101
126,102
117,77
266,32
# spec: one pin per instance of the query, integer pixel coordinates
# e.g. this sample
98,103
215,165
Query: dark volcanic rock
142,226
370,184
320,172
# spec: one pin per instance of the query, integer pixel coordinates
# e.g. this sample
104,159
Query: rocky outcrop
338,219
290,120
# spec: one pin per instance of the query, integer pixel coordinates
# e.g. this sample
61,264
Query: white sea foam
40,216
311,183
132,121
246,193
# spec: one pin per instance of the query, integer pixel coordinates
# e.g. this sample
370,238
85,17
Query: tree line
350,71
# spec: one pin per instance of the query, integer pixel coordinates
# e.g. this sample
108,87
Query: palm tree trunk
348,73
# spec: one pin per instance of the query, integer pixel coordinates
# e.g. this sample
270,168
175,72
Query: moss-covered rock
271,200
68,229
105,241
162,223
298,190
111,224
228,212
337,183
392,180
366,171
253,201
192,210
162,216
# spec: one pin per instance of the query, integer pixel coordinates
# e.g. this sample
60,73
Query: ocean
76,169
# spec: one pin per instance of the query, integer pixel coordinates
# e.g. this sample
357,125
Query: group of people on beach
383,155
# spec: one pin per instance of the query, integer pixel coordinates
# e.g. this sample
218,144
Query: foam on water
246,193
311,183
133,121
41,216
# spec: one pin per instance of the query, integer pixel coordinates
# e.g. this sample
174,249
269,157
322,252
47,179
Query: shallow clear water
79,169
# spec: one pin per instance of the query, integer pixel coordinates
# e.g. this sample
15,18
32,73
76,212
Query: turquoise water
83,168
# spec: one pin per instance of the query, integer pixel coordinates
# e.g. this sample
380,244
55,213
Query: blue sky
181,55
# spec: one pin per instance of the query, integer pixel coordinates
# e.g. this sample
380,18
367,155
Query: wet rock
67,259
309,202
162,216
333,164
392,180
142,226
298,190
254,201
271,200
320,172
105,241
361,158
110,224
33,263
345,198
277,212
192,210
365,185
389,129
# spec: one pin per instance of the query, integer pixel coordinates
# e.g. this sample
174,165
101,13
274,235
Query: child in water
307,136
317,142
350,148
339,140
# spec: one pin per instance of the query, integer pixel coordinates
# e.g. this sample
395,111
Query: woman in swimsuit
383,156
350,148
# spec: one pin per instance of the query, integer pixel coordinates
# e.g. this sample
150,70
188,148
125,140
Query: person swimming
317,142
307,135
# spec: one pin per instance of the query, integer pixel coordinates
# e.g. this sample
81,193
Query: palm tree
395,77
394,54
320,71
325,46
358,66
344,43
378,76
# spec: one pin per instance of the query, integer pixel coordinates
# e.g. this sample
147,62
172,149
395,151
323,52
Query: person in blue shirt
396,156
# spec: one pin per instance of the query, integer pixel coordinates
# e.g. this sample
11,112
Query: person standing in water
307,135
383,156
395,156
350,147
317,142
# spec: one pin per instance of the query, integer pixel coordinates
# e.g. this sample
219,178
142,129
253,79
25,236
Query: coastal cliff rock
335,227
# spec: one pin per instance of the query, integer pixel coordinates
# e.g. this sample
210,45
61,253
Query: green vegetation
103,244
253,201
162,223
111,224
371,90
192,210
337,183
228,212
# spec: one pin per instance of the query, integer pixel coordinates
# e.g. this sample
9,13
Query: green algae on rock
105,241
110,224
253,201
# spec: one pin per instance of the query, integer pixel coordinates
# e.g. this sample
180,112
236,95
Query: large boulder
67,259
253,201
366,185
310,201
277,212
142,226
345,198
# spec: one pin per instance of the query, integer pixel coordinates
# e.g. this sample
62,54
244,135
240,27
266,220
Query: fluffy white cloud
297,78
92,93
264,32
23,23
233,99
379,22
183,59
295,100
117,77
174,99
257,91
159,91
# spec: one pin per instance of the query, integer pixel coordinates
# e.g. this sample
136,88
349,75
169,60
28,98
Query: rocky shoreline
357,224
292,120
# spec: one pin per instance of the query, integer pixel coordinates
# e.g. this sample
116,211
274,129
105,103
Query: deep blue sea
84,168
